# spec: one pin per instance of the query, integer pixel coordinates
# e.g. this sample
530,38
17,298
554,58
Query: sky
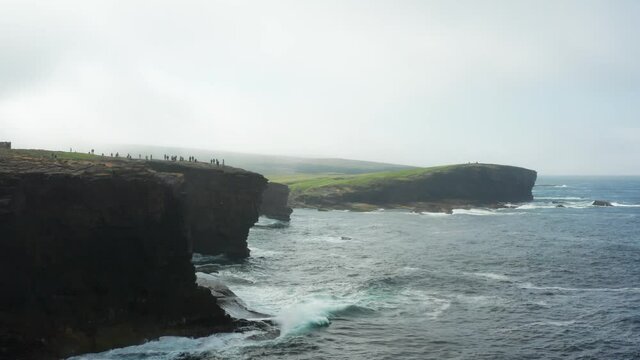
549,85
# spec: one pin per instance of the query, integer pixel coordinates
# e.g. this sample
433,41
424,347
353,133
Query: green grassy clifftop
438,188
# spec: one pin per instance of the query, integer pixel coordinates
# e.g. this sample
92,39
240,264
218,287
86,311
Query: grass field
308,182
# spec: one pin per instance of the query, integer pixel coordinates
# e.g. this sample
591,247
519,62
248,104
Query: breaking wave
305,316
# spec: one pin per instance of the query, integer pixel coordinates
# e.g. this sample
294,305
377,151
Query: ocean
536,281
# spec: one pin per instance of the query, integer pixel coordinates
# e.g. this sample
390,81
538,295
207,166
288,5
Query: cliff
97,254
221,205
275,202
429,189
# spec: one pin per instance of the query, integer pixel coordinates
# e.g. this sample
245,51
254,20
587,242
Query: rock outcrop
275,202
97,254
221,205
438,190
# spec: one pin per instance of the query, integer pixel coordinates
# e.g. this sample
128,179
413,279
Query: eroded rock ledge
97,254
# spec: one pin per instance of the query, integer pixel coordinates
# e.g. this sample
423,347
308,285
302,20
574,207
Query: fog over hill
267,165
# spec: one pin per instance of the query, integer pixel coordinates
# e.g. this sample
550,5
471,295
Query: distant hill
269,165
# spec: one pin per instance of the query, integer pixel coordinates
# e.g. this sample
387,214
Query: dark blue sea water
533,282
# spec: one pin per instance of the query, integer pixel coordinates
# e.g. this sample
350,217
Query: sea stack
275,202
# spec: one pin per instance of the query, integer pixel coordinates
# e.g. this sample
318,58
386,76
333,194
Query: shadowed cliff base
96,253
437,189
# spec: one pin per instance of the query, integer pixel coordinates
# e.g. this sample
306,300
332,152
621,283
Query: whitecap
624,205
409,269
536,206
492,276
528,285
553,323
551,185
257,252
548,205
558,198
436,214
475,212
441,306
419,302
480,300
332,239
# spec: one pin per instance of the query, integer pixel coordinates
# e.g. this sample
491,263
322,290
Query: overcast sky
549,85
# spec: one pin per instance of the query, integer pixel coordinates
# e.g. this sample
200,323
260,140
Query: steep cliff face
275,202
433,189
221,205
97,254
474,183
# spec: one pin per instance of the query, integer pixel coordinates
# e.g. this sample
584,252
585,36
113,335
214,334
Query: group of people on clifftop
212,161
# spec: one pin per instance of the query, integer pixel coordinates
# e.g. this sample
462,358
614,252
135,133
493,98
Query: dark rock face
601,203
97,255
221,205
5,144
275,201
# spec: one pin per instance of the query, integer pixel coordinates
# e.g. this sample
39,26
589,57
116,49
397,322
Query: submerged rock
601,203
